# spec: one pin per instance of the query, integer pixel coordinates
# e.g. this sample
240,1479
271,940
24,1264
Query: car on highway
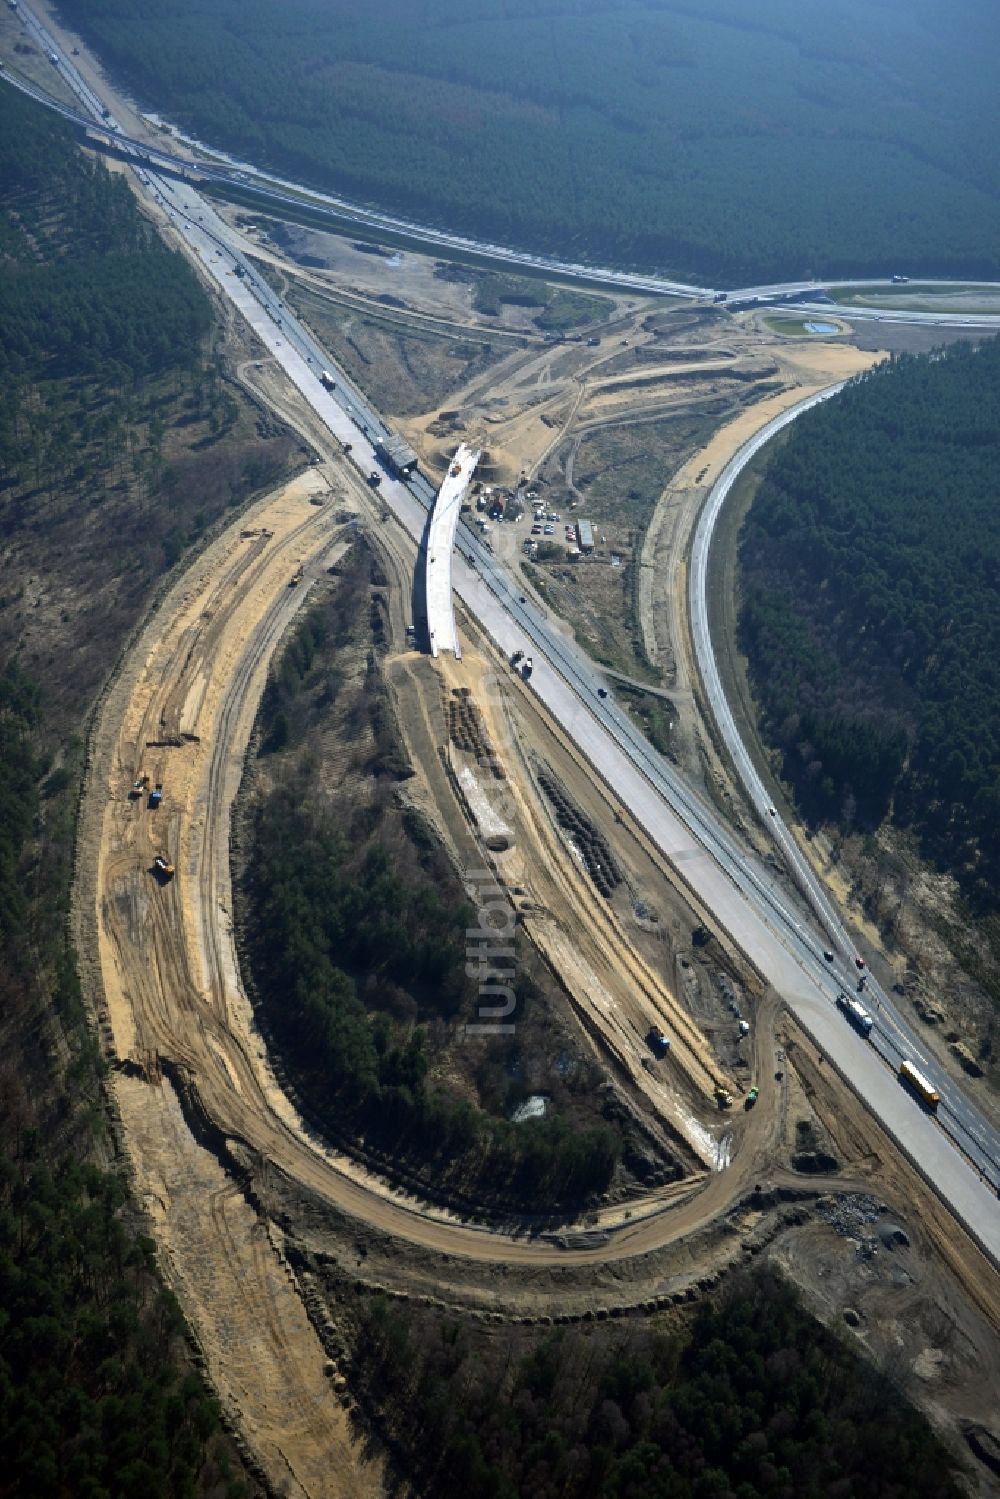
771,812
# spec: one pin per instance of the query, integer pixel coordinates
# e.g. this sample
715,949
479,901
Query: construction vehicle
751,1098
723,1097
156,796
327,380
295,579
163,867
395,454
527,668
374,479
658,1043
925,1090
139,785
517,658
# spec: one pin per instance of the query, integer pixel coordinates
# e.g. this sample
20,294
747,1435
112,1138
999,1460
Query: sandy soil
169,983
240,1297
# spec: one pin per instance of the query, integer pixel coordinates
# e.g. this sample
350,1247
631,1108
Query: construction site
267,1229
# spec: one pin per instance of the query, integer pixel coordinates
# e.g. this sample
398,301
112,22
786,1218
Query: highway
763,919
892,1037
277,192
749,903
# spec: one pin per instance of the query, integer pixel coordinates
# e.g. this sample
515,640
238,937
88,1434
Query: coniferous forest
729,141
871,606
749,1399
101,331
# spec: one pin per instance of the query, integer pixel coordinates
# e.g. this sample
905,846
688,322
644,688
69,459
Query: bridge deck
440,548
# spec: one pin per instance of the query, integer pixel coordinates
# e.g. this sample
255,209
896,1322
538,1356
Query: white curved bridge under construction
440,547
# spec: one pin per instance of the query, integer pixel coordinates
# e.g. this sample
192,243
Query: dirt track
168,963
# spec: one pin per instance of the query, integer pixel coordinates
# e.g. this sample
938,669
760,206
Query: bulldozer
723,1097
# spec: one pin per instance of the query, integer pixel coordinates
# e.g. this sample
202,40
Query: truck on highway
917,1083
856,1013
527,668
327,380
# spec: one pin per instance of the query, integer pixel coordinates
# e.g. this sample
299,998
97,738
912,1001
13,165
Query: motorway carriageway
220,167
743,897
891,1036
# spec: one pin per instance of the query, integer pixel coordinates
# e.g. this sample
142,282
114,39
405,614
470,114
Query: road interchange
745,897
760,916
214,166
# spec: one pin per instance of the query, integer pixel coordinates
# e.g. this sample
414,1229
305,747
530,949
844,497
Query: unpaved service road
189,694
181,712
